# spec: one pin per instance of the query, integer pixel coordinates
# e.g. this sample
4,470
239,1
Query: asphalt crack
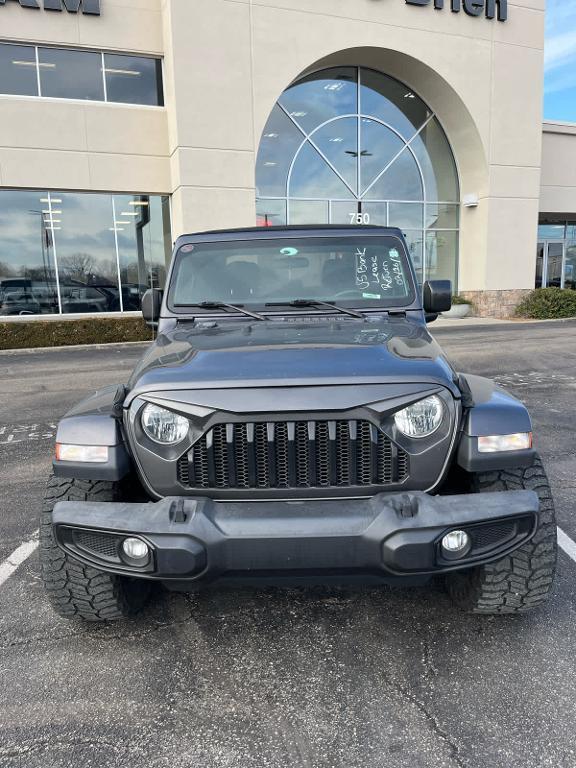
432,721
430,669
99,633
23,749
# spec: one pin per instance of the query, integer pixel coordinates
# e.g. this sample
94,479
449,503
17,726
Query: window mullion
117,254
39,84
358,136
104,77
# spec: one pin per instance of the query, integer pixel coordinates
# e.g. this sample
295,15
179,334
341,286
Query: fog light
455,544
136,549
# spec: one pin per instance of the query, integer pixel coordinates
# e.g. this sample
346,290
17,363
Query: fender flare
96,420
490,410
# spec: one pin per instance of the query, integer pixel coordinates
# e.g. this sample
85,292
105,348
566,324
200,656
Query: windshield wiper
316,303
223,305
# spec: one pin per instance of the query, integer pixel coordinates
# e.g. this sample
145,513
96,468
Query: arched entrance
351,145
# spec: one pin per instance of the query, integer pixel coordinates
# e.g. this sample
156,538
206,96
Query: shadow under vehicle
293,423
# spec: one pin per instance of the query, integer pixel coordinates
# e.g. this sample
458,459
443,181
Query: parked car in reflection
24,296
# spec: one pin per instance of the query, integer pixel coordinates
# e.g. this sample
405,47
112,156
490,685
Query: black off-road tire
523,580
76,590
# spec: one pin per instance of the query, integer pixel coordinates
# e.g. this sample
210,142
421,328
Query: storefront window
28,279
556,255
18,70
570,266
80,253
66,73
133,80
348,145
552,231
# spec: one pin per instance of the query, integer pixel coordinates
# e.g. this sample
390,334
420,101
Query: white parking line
566,543
24,551
17,557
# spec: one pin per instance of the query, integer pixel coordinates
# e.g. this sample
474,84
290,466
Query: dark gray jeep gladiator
294,423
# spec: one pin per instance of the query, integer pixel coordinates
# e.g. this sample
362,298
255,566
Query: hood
291,353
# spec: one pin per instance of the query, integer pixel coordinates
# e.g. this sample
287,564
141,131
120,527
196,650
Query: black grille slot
184,470
262,456
281,448
322,454
343,453
364,453
491,535
220,456
241,456
103,544
293,454
302,455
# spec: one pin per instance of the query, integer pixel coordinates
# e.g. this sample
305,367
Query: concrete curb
490,322
31,350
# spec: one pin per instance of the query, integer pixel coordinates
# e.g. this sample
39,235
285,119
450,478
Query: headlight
163,426
421,419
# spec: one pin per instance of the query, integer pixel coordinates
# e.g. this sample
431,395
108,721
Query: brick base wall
499,304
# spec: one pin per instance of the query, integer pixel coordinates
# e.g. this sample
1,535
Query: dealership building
124,123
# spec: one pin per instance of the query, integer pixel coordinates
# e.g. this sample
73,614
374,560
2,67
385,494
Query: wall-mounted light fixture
470,201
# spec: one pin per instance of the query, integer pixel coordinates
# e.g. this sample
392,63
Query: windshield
353,271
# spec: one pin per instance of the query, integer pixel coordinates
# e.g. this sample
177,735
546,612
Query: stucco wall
558,191
51,143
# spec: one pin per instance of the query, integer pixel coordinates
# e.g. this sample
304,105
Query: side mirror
151,304
437,296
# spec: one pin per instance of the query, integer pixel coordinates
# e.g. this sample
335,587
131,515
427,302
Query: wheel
75,589
523,580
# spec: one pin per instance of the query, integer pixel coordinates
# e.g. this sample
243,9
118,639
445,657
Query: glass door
570,266
554,265
540,265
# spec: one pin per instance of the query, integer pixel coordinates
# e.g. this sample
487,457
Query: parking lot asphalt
271,678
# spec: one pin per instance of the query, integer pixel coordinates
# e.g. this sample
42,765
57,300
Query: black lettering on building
91,7
473,7
491,8
24,3
73,6
501,5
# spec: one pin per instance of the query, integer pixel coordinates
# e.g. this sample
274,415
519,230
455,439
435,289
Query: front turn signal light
89,454
520,441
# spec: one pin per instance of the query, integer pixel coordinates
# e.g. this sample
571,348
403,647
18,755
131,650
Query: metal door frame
547,244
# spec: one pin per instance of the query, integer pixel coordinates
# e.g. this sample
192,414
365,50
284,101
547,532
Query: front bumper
389,536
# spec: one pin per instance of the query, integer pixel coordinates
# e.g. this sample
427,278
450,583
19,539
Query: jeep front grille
293,454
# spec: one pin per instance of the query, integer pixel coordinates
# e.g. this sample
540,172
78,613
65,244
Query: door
570,266
540,265
554,265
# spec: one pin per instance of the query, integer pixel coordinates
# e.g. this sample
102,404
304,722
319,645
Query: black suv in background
295,422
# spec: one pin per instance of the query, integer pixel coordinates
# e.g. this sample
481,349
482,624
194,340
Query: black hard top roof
314,230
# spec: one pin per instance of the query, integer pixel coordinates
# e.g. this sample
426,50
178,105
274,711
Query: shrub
548,304
459,300
56,333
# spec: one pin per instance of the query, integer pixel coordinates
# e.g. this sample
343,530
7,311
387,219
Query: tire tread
522,581
76,590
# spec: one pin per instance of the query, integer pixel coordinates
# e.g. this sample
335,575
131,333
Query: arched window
351,145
